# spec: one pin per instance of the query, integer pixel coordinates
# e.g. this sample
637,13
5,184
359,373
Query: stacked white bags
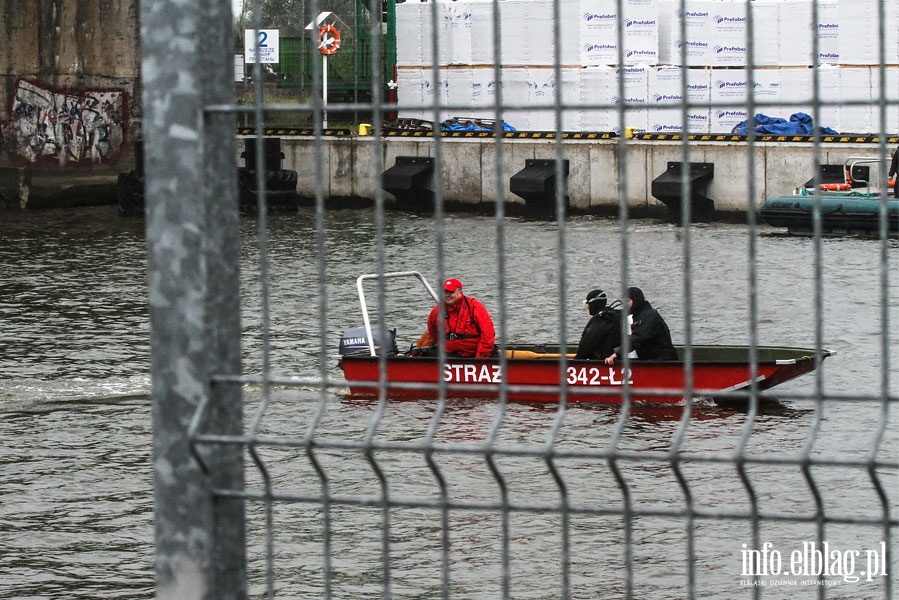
650,63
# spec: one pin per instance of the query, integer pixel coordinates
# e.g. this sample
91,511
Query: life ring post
324,32
328,45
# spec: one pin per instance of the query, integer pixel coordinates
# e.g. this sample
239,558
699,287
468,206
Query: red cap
451,285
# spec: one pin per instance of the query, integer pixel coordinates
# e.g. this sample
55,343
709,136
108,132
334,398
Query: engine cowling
355,341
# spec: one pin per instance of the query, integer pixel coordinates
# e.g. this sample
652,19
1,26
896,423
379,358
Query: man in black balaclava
603,331
650,336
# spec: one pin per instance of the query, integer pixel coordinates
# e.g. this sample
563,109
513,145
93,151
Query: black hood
636,294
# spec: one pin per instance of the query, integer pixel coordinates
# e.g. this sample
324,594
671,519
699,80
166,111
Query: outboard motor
354,341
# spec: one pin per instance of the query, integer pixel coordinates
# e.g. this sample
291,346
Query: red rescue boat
537,373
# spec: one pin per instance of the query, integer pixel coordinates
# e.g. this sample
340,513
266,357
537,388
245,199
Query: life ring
835,187
328,40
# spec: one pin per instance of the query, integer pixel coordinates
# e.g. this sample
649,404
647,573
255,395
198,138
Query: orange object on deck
836,187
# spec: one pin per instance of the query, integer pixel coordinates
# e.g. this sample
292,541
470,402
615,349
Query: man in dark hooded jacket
894,172
650,336
603,331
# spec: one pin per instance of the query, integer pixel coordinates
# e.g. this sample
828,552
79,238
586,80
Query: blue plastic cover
799,124
453,125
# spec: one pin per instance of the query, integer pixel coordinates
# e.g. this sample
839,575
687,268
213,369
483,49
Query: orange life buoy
328,40
835,187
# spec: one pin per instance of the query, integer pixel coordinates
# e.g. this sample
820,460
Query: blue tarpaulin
799,124
472,125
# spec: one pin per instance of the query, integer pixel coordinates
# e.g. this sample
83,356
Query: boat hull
840,213
540,380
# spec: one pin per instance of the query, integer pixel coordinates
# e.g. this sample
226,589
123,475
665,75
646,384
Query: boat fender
835,187
425,340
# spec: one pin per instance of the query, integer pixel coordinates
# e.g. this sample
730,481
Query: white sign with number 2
267,45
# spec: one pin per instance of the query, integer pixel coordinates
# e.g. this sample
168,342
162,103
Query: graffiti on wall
68,127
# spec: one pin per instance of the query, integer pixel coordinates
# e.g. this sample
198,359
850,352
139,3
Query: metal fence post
192,233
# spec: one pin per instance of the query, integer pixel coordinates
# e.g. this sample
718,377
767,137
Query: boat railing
364,305
858,178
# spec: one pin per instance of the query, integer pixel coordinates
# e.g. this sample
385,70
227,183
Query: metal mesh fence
273,480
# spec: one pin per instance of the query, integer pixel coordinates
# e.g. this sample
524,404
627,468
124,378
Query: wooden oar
529,354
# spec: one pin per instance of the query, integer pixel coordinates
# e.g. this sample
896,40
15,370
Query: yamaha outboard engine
354,341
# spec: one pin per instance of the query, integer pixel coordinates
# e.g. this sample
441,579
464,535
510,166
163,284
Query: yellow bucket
364,128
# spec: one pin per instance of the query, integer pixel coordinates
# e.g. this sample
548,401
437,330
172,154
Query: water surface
75,468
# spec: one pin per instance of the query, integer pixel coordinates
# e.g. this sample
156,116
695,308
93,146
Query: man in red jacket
468,328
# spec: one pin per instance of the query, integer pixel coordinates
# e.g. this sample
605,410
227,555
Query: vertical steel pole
325,90
222,254
390,43
192,233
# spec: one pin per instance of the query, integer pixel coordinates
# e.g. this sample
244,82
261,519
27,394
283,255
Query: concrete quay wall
469,175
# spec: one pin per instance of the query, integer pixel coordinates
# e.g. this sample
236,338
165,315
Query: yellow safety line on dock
580,135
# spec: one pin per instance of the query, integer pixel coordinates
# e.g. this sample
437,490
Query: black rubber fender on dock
536,183
667,188
409,180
